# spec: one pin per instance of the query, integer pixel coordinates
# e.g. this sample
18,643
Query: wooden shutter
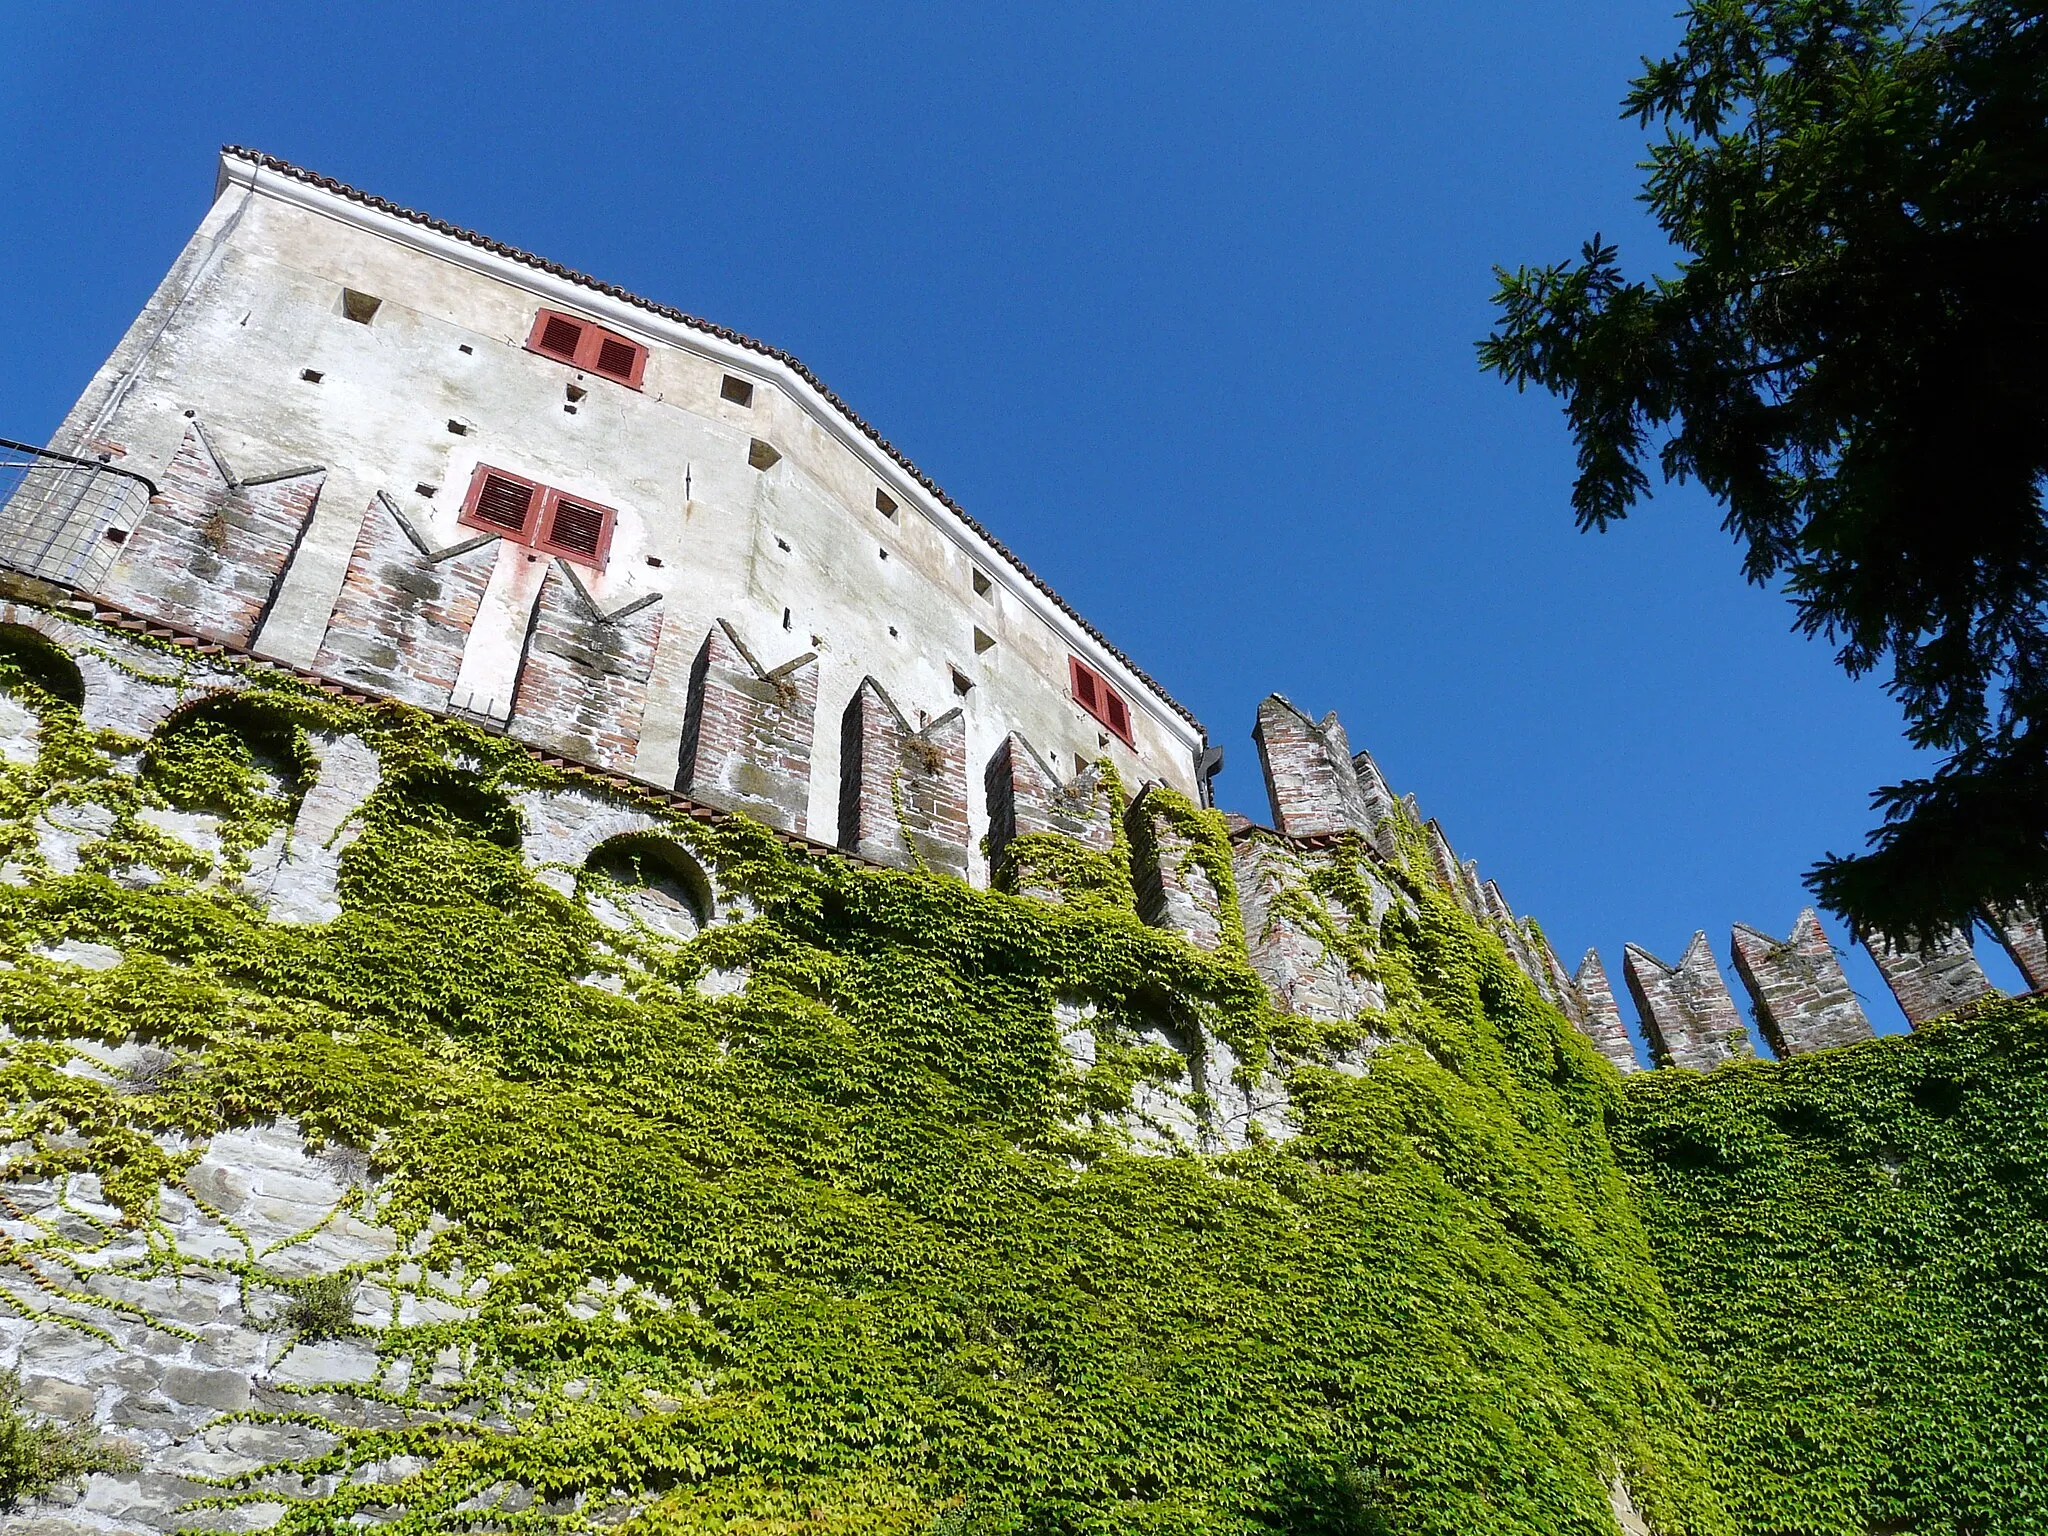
1093,693
1084,685
576,530
616,358
502,503
581,344
557,336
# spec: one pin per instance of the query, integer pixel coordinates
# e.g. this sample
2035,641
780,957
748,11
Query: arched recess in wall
30,659
643,877
233,754
456,801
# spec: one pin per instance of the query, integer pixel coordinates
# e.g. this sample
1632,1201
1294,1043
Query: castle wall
251,339
1803,1000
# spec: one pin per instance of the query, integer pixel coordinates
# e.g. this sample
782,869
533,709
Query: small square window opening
982,585
885,504
359,307
962,683
984,642
311,375
738,391
762,455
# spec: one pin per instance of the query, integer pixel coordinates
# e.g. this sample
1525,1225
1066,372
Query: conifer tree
1852,357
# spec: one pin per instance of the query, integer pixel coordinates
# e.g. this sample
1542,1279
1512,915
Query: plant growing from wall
38,1455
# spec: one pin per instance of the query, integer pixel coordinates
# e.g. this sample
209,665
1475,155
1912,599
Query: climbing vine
1855,1248
830,1215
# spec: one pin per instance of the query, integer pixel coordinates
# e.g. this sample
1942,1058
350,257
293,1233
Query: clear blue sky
1180,300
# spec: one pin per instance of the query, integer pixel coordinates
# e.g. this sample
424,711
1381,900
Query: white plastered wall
256,300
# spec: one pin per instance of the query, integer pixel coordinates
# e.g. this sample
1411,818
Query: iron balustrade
63,517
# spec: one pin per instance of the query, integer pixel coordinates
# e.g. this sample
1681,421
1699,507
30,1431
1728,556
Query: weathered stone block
227,1391
747,737
1174,890
1803,1001
1311,778
1688,1017
1930,979
208,554
1601,1022
583,685
903,791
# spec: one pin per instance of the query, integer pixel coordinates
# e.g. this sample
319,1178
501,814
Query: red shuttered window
1093,693
539,515
589,346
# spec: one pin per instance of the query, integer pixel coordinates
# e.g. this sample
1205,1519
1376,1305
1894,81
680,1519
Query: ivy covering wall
813,1222
1856,1248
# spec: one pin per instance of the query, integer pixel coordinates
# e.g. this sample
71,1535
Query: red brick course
208,554
404,613
748,733
583,683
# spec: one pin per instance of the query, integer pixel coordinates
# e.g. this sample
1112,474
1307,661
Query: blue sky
1180,301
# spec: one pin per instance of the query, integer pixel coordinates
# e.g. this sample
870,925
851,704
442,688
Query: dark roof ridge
723,333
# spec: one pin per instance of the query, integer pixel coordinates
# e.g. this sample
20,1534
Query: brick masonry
1689,1018
1803,1001
2019,930
1174,891
1379,803
583,683
1931,979
208,554
1310,777
1026,796
747,737
1603,1025
404,613
903,791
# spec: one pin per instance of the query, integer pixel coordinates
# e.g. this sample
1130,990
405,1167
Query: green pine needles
812,1223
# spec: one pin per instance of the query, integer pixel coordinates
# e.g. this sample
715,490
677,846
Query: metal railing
60,515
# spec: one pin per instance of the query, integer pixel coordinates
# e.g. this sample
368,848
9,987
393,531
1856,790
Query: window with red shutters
1093,693
583,344
559,337
502,503
576,530
539,516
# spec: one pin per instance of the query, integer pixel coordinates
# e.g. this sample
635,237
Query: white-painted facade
797,556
